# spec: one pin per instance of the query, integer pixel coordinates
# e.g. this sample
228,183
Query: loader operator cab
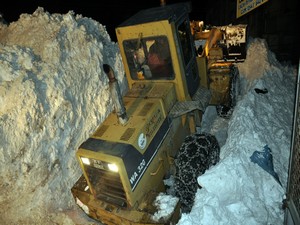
156,44
149,58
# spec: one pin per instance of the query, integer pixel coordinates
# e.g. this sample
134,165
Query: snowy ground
236,190
54,93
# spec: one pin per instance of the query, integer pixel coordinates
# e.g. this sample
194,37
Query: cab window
149,58
184,38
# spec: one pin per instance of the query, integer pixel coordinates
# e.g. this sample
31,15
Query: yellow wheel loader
128,157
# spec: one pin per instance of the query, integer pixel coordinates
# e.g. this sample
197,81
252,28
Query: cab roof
172,12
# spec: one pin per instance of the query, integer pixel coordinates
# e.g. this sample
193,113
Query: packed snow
54,93
237,190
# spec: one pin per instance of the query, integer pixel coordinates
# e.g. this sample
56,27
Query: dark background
277,21
107,12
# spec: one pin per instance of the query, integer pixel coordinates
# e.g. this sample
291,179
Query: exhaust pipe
116,94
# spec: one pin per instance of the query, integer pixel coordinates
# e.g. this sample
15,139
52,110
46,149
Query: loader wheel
197,154
225,111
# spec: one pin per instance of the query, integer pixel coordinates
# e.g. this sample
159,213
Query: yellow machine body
142,151
125,163
220,77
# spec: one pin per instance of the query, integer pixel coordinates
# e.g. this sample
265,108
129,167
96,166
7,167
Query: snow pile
166,205
53,94
236,190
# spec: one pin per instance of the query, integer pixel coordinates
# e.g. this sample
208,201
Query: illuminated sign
245,6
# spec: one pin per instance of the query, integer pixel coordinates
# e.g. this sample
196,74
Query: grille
101,130
145,109
107,186
127,134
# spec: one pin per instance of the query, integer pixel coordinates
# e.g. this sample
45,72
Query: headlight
113,167
85,161
100,164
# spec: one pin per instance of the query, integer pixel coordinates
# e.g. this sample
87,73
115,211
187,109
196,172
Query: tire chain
197,154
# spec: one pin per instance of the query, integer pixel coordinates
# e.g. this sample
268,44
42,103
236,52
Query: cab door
188,52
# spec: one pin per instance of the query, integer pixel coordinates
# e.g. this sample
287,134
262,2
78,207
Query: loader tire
225,111
197,154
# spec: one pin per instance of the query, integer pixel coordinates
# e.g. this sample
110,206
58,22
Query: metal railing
292,204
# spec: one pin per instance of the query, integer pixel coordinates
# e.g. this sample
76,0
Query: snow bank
237,191
53,94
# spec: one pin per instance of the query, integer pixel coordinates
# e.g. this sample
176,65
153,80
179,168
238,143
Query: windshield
149,58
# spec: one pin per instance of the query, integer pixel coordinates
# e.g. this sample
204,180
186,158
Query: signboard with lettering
245,6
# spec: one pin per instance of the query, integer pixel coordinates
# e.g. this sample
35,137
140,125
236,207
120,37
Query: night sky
110,13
